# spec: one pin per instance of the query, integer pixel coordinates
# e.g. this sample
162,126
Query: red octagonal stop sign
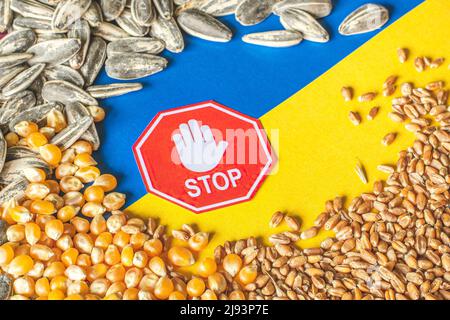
203,156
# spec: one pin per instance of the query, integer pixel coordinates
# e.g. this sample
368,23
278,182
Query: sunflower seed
168,31
133,65
164,8
94,15
135,45
13,170
109,32
66,92
75,112
295,19
32,9
15,190
277,38
9,74
6,285
112,8
54,52
68,136
127,23
14,59
5,15
3,150
80,30
113,90
17,104
94,61
41,37
366,18
251,12
17,41
219,8
3,239
142,12
17,152
69,11
23,80
37,25
203,26
316,8
61,72
34,114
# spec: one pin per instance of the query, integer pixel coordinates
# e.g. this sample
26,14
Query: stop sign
203,156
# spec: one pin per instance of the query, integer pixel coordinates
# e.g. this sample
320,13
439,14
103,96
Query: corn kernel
42,287
56,295
98,225
6,254
97,255
36,140
209,295
82,146
198,241
195,287
94,194
236,295
37,191
75,273
112,255
12,139
130,294
153,247
163,288
66,213
121,239
133,277
158,266
217,282
51,154
83,160
36,175
20,265
177,295
70,183
77,288
97,271
116,273
83,242
84,260
248,274
69,257
92,209
98,113
24,286
20,214
25,128
54,229
180,257
54,269
106,181
15,233
232,263
32,233
41,252
207,267
56,120
53,185
42,207
74,297
103,240
88,174
137,240
114,201
74,198
65,170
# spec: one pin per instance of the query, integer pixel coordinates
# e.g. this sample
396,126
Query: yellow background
318,146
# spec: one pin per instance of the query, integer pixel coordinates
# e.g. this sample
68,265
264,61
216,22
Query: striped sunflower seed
3,151
67,12
277,38
113,89
168,31
76,112
66,92
65,73
14,191
295,19
23,80
127,23
142,12
93,14
366,18
95,58
80,30
6,15
32,9
6,284
112,8
203,26
54,52
219,8
316,8
251,12
69,135
14,59
109,32
164,8
17,42
135,45
17,104
133,65
9,74
18,152
37,25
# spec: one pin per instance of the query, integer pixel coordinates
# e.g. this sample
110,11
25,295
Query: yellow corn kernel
103,240
248,274
41,252
98,113
92,209
25,128
69,257
56,295
114,296
131,294
37,271
6,254
94,194
217,282
133,277
97,255
112,255
126,256
206,267
83,160
36,175
195,287
153,247
98,225
36,140
68,156
114,201
77,288
236,295
70,183
74,297
74,198
116,273
42,287
88,174
81,225
209,295
148,282
59,283
75,273
65,170
56,120
97,271
99,287
32,233
82,146
180,256
232,263
15,233
51,154
53,185
23,249
66,213
37,191
20,214
20,265
65,242
163,288
158,266
24,286
115,222
54,269
12,139
83,242
106,181
177,295
137,240
121,239
91,297
42,207
54,229
198,241
84,260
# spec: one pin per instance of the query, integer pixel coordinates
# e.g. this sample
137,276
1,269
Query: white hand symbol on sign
197,148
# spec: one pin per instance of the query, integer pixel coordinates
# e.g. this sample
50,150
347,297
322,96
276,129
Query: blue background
248,78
